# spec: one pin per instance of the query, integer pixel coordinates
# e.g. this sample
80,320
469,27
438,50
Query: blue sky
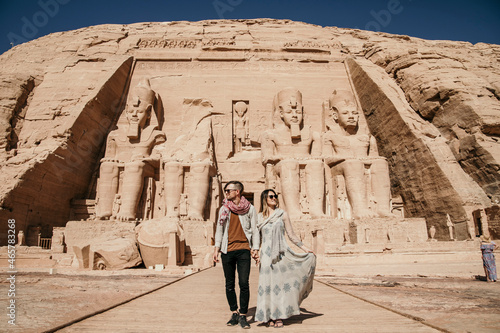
472,20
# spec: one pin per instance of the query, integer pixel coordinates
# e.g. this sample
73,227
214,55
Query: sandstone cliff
433,107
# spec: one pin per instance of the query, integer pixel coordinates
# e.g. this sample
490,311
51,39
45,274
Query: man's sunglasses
229,190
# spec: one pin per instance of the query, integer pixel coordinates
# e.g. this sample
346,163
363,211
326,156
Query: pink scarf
227,205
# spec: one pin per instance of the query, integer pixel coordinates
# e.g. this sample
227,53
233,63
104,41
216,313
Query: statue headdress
142,93
292,95
336,99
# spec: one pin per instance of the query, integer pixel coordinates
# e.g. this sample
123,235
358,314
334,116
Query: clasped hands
255,256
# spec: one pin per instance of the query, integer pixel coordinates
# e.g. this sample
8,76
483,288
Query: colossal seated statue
128,158
352,152
287,148
189,159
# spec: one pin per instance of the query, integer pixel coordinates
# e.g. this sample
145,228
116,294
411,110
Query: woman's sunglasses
272,196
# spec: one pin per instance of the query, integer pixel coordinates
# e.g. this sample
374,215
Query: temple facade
123,145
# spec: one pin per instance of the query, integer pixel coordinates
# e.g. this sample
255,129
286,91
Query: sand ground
454,304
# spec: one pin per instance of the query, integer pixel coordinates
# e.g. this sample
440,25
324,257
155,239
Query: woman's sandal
270,323
278,324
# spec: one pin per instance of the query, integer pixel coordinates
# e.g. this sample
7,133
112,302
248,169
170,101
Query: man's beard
133,130
295,130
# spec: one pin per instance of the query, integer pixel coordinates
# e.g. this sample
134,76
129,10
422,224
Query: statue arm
316,144
110,153
330,155
373,148
160,138
268,155
328,149
247,125
153,155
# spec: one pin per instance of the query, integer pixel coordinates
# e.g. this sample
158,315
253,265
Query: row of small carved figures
193,43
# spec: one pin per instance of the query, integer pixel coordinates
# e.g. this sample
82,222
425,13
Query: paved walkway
198,304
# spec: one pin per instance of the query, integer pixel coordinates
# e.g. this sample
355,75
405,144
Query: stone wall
432,106
424,172
60,142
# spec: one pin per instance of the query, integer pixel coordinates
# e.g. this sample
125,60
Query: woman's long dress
489,260
286,283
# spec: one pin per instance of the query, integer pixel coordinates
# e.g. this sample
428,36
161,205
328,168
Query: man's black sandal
234,319
243,322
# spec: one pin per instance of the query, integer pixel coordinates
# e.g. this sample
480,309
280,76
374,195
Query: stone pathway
197,304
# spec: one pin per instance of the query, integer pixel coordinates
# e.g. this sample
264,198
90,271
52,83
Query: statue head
240,108
139,107
289,104
344,111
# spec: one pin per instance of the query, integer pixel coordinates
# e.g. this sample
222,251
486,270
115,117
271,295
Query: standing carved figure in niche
451,227
350,151
287,147
183,206
116,204
241,126
129,148
20,238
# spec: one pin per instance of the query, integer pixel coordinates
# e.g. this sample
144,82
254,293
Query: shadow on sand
298,319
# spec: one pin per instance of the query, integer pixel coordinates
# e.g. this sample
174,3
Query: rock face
432,107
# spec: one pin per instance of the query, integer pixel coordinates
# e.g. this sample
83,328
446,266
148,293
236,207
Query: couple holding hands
285,277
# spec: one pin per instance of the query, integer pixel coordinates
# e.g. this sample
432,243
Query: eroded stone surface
432,107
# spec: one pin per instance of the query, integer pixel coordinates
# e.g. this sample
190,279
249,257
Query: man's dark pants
237,260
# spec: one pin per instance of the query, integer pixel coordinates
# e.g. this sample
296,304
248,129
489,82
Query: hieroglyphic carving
159,43
311,45
222,140
257,67
218,42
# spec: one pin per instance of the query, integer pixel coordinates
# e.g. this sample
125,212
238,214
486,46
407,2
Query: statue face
347,116
291,113
240,108
138,112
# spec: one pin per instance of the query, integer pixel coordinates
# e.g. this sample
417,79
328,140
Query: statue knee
172,167
315,166
134,167
288,165
108,168
380,164
200,167
353,166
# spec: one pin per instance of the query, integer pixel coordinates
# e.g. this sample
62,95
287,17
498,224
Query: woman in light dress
285,277
490,267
